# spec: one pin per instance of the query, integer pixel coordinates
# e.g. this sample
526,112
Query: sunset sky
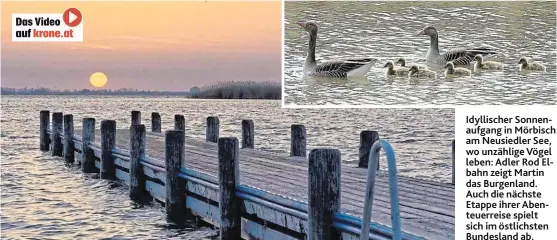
149,45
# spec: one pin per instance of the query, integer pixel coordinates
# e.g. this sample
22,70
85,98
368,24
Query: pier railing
237,209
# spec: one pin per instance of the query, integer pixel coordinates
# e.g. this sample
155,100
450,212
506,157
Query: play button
72,17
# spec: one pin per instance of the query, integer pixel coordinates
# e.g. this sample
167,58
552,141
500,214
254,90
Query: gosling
486,65
415,72
524,65
402,63
391,70
456,72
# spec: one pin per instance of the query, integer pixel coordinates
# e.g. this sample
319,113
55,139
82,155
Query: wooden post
175,186
367,139
229,179
212,130
45,122
298,140
68,139
453,161
57,147
108,141
155,122
247,134
323,193
87,136
136,118
179,123
137,151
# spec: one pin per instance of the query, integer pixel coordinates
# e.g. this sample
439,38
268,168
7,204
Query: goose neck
311,48
434,44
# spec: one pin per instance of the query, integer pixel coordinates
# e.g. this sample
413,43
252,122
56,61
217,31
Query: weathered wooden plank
136,118
87,154
179,122
324,193
122,175
156,190
175,186
367,139
298,140
155,122
43,130
68,139
229,179
108,141
137,151
247,133
212,129
57,145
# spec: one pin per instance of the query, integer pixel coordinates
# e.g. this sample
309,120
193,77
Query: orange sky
144,44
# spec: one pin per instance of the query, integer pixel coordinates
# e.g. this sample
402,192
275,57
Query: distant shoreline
223,90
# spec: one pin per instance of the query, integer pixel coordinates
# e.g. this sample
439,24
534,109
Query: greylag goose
402,63
337,68
457,56
416,72
486,65
456,72
392,70
526,65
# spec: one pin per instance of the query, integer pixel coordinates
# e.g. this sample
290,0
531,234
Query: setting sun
98,79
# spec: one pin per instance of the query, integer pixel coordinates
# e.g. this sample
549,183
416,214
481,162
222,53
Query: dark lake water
44,199
386,31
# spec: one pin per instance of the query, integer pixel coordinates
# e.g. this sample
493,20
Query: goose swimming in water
456,72
402,63
416,72
486,65
392,70
525,65
338,68
457,56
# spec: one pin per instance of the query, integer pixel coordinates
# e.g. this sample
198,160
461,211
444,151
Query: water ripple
384,30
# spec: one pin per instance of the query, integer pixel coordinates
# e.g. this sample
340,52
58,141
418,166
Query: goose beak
422,32
386,65
302,24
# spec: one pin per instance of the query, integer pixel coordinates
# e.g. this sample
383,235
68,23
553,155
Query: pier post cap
173,134
138,127
68,116
227,140
368,133
328,154
247,121
213,119
45,112
57,115
108,123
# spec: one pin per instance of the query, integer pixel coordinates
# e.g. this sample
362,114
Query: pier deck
426,208
254,194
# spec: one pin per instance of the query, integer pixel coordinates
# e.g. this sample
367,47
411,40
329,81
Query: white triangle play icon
72,17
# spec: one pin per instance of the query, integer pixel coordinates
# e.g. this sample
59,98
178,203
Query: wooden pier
248,192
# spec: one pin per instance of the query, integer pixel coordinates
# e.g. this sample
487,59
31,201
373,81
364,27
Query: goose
392,70
402,63
457,56
416,72
456,72
337,68
486,65
526,65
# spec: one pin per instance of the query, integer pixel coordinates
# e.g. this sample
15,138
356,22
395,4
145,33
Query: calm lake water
386,31
42,198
